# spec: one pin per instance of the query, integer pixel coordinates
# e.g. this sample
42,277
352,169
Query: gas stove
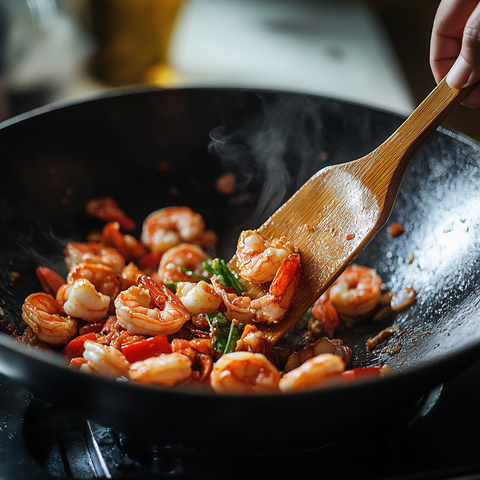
433,439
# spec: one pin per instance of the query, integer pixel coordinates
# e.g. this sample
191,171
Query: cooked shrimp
198,297
326,317
108,210
103,278
356,291
129,275
314,373
166,369
258,259
128,246
324,345
170,226
41,312
81,300
271,307
93,252
184,255
244,372
150,309
51,281
105,360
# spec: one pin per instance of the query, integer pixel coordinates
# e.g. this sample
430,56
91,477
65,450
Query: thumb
466,69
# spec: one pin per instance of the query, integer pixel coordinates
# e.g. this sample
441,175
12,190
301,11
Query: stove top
437,440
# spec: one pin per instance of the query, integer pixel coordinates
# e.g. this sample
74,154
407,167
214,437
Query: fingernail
459,74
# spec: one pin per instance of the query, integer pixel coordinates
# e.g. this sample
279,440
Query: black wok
149,149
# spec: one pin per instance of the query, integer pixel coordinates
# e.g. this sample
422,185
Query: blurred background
373,52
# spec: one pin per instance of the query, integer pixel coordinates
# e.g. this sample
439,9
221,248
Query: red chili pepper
151,347
362,372
76,348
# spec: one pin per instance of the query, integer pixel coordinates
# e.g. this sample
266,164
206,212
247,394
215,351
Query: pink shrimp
93,252
271,307
170,226
184,255
41,312
326,316
150,309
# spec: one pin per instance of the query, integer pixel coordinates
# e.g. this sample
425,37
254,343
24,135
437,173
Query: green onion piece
218,269
195,275
231,277
172,286
219,330
208,268
236,330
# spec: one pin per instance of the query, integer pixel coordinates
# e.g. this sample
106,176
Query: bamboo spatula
336,213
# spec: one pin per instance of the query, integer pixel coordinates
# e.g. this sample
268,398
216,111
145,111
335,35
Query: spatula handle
424,120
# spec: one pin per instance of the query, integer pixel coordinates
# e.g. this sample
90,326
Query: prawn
269,308
149,308
356,291
50,280
244,372
105,360
165,369
128,246
184,255
198,297
93,252
258,259
108,210
81,300
326,316
169,226
315,372
104,279
41,312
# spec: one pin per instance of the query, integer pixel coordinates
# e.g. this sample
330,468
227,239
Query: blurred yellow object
133,38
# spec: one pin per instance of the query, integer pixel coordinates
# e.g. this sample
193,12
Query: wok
150,148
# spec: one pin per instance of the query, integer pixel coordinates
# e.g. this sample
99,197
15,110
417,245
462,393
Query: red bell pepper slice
75,348
361,372
151,347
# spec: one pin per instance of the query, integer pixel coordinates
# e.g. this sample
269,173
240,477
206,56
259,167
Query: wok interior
149,149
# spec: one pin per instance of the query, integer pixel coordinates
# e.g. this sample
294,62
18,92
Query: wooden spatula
341,208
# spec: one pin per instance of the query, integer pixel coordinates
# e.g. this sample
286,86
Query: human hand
455,46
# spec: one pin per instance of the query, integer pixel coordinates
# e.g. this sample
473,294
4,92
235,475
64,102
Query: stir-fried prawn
325,315
314,373
41,312
258,259
108,210
81,300
93,252
356,291
128,246
244,372
269,308
169,226
198,297
185,255
104,360
104,278
50,280
150,309
166,369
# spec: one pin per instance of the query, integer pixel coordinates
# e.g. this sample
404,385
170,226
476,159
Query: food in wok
159,310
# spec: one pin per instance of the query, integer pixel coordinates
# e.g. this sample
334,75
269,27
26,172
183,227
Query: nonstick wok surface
151,148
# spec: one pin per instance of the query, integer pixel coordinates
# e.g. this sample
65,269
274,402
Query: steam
272,154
